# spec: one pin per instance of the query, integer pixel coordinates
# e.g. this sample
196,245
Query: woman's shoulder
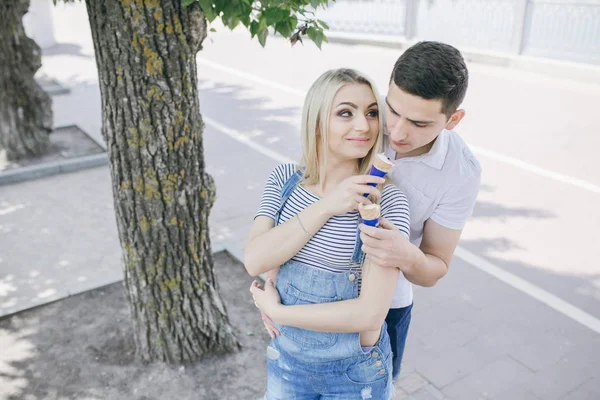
282,172
392,194
394,207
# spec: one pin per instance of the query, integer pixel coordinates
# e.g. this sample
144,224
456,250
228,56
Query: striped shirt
332,246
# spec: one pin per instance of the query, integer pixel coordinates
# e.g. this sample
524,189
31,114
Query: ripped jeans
309,365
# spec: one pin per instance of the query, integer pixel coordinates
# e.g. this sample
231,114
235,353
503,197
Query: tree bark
145,52
25,109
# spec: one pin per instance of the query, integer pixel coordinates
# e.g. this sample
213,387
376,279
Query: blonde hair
315,119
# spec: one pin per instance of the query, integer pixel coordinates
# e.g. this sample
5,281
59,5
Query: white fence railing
560,29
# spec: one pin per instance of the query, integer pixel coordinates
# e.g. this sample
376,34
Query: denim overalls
304,364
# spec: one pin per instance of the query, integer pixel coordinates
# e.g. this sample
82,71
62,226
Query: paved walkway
472,336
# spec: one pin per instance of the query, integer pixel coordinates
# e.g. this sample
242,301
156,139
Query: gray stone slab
538,352
58,237
456,363
589,390
493,378
428,392
518,393
412,383
400,394
573,370
464,392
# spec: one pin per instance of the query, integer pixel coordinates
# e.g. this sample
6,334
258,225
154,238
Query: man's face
413,122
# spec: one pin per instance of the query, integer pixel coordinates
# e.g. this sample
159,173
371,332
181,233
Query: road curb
52,168
218,248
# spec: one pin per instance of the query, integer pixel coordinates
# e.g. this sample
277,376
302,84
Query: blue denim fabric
304,364
398,321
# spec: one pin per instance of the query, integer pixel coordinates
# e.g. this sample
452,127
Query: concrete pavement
472,336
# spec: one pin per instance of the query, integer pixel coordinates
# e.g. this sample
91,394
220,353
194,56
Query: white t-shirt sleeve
457,204
269,204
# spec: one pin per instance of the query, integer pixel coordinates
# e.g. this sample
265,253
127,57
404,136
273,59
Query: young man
435,169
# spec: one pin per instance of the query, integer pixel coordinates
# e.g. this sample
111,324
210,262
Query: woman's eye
373,113
345,114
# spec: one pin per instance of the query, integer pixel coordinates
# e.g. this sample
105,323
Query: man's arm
427,264
424,266
433,256
365,313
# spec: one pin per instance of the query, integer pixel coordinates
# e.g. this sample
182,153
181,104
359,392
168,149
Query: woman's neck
334,173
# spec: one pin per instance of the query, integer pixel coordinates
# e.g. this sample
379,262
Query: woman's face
353,123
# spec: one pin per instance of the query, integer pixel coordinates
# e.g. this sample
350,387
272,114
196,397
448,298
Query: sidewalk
471,337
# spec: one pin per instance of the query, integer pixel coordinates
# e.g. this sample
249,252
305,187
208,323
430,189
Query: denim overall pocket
374,365
303,337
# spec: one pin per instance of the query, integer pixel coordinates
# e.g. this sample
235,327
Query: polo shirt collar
436,156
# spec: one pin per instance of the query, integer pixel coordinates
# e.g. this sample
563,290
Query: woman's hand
267,299
347,195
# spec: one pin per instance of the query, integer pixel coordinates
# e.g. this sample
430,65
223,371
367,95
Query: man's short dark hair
433,70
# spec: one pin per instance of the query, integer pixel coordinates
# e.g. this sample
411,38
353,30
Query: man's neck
418,151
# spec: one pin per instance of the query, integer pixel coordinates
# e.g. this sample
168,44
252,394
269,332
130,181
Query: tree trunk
145,52
25,109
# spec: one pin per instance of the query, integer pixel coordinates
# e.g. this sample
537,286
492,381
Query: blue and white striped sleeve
269,205
394,208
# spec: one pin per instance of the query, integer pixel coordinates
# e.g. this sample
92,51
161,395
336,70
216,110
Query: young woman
333,342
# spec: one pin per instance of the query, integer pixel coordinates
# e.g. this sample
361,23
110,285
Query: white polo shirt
442,185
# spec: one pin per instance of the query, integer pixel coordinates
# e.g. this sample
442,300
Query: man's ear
455,119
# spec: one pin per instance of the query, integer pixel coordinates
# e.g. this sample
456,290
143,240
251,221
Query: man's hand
269,326
423,266
388,247
265,299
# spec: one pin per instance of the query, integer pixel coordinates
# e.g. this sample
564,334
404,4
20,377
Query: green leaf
187,3
231,22
245,19
284,28
212,30
293,22
262,36
209,11
323,24
274,15
315,35
254,28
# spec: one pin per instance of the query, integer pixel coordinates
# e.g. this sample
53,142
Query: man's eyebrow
411,120
389,105
420,122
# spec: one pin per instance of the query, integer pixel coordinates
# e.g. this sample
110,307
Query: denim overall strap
286,191
357,255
